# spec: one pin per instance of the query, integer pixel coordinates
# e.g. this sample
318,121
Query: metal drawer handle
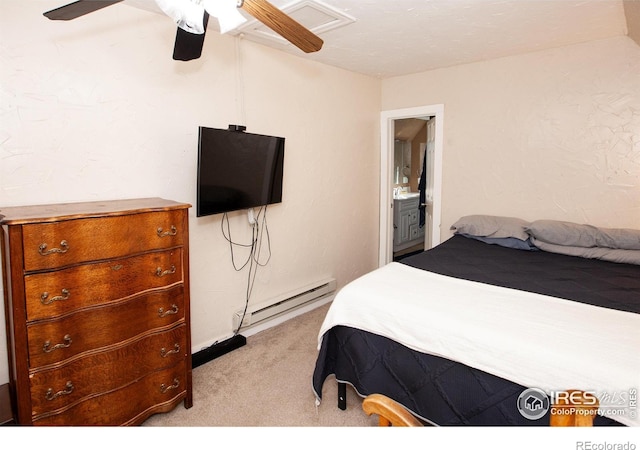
47,348
164,388
162,273
163,313
64,248
164,352
172,232
45,300
68,390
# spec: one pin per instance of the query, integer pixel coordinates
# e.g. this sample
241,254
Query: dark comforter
444,392
592,281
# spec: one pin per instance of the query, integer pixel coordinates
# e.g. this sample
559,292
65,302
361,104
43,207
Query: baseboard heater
284,303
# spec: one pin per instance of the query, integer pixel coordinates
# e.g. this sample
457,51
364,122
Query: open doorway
411,204
390,175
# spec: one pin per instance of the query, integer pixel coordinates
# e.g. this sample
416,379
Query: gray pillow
581,235
491,226
607,254
509,242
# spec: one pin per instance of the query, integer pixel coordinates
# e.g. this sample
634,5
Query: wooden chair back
571,409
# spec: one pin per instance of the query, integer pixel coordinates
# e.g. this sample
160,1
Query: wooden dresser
97,310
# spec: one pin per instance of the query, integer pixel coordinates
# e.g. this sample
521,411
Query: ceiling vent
312,14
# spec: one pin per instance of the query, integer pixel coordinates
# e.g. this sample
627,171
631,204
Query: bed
464,333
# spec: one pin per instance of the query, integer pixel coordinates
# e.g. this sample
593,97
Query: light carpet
267,383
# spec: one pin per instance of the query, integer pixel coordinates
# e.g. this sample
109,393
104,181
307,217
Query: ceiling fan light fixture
189,16
227,13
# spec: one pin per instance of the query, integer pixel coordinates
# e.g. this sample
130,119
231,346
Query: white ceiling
385,38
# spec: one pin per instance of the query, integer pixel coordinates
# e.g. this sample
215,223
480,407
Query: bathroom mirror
408,133
402,162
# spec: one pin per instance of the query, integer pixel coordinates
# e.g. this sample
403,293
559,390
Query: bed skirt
438,391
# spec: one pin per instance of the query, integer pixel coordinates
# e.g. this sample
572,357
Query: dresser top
16,215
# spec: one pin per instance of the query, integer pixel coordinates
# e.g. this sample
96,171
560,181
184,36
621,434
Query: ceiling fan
192,17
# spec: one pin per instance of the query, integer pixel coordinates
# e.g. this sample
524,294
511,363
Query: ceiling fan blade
283,24
77,9
188,46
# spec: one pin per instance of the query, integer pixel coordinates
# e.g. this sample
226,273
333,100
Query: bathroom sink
407,195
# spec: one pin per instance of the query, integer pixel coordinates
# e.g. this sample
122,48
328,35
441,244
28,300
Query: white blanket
530,339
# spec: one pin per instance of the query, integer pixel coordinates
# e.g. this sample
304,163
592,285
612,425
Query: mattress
368,358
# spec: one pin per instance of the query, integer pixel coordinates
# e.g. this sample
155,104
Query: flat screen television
237,170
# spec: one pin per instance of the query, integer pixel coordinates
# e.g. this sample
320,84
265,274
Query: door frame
387,118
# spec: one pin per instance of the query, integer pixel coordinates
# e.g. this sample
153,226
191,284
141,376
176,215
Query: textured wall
96,109
552,134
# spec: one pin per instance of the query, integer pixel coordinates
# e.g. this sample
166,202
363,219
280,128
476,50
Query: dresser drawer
57,244
51,294
106,371
158,391
53,341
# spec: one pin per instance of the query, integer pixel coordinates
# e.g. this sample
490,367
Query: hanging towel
422,187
